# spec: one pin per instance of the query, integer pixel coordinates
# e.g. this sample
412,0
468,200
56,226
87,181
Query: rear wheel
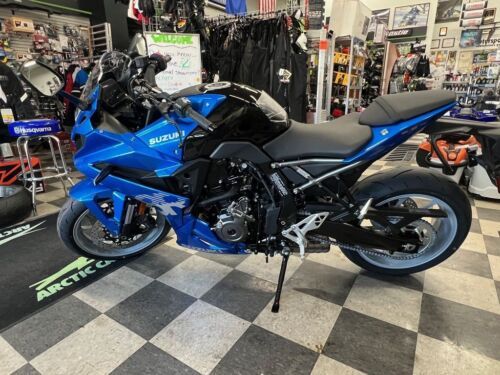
15,204
440,237
83,233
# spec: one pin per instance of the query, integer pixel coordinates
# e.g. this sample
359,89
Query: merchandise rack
350,81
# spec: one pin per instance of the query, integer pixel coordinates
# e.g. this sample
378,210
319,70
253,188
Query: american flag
267,6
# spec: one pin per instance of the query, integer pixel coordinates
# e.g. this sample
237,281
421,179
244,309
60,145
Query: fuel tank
247,114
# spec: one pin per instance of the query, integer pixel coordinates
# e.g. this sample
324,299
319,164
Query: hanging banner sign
184,70
399,33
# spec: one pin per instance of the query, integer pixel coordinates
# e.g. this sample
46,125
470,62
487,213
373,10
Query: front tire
70,226
386,186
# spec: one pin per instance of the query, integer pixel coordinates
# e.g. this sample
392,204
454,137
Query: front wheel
415,188
81,232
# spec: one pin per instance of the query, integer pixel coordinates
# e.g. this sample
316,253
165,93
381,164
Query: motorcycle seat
339,138
391,109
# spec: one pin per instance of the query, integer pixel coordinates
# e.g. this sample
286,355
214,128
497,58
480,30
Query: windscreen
110,65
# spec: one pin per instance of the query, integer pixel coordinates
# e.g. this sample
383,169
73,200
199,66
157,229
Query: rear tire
69,216
15,204
399,182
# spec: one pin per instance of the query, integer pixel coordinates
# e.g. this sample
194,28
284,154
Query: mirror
42,78
138,46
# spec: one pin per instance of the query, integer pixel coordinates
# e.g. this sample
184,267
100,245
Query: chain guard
360,249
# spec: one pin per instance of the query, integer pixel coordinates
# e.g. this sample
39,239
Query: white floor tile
495,266
303,319
487,204
10,360
328,366
113,288
256,265
97,348
173,243
490,228
201,336
385,301
334,258
195,276
474,242
438,357
463,288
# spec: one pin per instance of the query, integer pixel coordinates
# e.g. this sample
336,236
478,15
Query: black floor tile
158,261
224,259
151,309
470,262
36,334
151,360
475,227
371,345
410,281
497,284
26,370
465,326
318,280
259,351
241,294
488,214
492,245
59,202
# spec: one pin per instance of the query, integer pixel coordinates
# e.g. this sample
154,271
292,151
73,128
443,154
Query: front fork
91,195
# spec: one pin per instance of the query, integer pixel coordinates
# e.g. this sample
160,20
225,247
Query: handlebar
183,107
163,101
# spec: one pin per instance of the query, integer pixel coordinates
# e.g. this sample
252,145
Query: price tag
7,115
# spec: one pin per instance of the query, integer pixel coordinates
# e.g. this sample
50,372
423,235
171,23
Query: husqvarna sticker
163,202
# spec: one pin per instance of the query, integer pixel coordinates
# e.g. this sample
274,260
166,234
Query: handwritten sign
184,70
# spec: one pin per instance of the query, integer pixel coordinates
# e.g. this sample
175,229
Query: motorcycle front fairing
154,150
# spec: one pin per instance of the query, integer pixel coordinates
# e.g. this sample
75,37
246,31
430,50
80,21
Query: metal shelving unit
352,78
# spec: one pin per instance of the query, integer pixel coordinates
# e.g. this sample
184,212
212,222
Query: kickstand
281,279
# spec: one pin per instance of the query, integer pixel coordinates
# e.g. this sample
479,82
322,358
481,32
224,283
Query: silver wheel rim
7,191
84,234
445,228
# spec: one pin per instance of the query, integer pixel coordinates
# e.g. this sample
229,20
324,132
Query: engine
233,221
229,202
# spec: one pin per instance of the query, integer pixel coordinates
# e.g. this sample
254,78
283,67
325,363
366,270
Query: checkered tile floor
176,311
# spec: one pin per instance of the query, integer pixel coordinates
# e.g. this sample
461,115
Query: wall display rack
348,69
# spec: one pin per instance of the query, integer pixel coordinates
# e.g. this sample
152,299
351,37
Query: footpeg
297,232
364,209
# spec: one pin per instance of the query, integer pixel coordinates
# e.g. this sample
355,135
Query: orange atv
466,151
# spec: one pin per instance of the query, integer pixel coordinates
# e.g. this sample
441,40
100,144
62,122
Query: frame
411,16
489,16
448,43
435,43
470,38
443,31
448,11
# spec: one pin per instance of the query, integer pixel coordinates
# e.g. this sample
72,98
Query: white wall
454,29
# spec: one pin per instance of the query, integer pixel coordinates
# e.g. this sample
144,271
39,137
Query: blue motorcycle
224,167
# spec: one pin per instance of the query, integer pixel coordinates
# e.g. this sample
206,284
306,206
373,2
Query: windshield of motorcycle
110,65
